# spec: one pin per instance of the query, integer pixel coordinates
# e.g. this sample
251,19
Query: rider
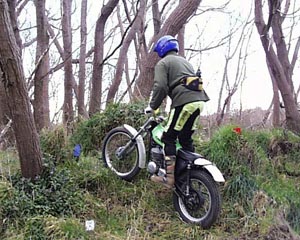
186,104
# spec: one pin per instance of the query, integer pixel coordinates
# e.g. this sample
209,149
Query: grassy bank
261,196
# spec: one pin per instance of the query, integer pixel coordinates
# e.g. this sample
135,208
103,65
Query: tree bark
14,22
68,114
4,110
61,53
278,62
41,77
136,26
180,39
95,99
275,101
172,26
81,75
14,82
128,81
156,16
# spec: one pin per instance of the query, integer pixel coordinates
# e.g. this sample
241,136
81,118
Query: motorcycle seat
188,155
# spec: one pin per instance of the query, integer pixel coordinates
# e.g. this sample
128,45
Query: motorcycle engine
157,157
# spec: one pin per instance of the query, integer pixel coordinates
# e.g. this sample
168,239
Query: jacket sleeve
160,87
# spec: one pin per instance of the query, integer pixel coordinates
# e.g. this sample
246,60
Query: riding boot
167,180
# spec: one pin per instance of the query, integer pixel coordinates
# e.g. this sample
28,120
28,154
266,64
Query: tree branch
122,39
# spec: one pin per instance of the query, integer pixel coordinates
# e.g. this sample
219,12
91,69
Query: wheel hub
194,201
119,152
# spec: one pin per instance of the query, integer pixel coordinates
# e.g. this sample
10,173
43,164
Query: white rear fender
211,168
140,144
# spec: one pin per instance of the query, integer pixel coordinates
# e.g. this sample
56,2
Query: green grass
9,163
257,189
121,210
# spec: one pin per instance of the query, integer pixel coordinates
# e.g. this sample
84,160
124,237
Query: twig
4,130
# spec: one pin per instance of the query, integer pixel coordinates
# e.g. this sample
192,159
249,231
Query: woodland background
60,62
68,65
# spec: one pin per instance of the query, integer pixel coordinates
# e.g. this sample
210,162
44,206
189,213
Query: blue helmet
166,44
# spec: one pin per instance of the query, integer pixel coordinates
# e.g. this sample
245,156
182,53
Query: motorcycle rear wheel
126,166
203,205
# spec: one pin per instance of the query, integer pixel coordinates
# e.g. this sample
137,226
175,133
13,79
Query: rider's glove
148,110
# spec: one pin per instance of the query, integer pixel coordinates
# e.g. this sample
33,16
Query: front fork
184,192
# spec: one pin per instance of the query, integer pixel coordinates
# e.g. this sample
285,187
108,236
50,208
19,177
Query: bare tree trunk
276,108
129,89
278,62
275,101
156,16
83,34
222,88
68,114
95,99
180,39
294,60
4,110
240,73
172,26
3,133
14,22
136,26
14,82
41,78
61,52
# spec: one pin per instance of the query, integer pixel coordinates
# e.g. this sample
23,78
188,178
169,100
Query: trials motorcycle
196,195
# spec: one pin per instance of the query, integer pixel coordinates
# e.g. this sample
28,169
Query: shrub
235,152
54,193
284,149
55,144
293,215
240,189
90,133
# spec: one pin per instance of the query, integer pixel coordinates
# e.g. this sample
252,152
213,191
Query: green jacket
168,73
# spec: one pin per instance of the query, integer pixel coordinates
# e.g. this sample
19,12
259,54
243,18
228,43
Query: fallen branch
4,130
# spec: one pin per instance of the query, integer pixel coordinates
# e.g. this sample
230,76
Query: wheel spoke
120,155
198,203
203,203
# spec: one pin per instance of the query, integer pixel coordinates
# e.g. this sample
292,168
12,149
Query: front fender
211,168
140,144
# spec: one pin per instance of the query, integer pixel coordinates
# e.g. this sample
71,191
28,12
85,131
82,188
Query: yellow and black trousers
182,123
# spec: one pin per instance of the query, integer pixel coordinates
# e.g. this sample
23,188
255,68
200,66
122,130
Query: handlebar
160,118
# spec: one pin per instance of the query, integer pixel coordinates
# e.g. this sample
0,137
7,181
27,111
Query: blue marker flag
77,150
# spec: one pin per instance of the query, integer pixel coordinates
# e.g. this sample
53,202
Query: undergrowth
90,133
261,192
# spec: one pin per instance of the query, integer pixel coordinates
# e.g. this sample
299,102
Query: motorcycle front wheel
201,205
120,154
